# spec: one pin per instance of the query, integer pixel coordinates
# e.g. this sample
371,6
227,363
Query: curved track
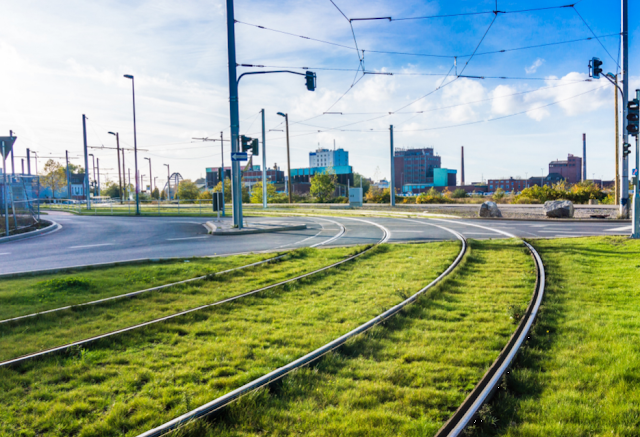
24,358
305,360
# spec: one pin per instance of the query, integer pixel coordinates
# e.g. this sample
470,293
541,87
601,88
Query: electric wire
594,34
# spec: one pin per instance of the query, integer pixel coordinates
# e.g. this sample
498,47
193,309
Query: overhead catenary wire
594,34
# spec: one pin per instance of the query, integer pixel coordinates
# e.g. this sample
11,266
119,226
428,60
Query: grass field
29,294
49,330
580,373
130,383
405,377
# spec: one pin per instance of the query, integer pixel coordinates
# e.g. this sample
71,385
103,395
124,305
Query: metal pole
22,165
636,193
223,170
234,112
168,183
286,119
624,179
584,157
150,176
135,144
29,161
13,171
617,178
264,165
119,168
66,153
98,186
86,162
392,182
5,191
124,178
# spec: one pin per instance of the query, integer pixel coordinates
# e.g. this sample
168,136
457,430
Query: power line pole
66,154
150,176
168,182
286,119
223,170
234,113
617,178
29,162
86,162
124,178
264,165
636,191
98,186
392,188
624,179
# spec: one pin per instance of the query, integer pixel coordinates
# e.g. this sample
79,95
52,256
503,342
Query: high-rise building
328,158
414,166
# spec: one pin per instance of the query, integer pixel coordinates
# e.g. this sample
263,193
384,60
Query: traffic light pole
636,192
392,188
223,172
264,164
624,176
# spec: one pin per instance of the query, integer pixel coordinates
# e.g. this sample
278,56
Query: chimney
461,165
584,157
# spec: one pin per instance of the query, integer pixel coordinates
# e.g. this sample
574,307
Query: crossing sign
239,156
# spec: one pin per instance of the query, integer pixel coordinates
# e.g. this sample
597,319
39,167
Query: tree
323,186
111,189
366,185
227,189
187,190
459,193
156,193
256,194
54,176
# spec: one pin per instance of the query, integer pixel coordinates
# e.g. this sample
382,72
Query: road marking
564,232
622,229
187,238
538,226
505,233
417,232
477,233
91,245
5,253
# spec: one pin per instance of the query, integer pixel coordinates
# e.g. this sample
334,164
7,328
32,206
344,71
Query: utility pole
117,135
624,179
169,182
150,176
135,143
234,113
29,160
392,190
584,157
98,186
124,178
66,154
22,165
86,162
617,178
93,158
223,170
286,119
5,191
636,193
13,171
264,165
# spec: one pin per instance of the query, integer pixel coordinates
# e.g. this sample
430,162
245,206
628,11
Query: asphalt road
88,240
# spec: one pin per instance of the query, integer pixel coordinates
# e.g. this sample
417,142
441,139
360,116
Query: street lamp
93,158
168,182
286,120
119,174
150,176
135,143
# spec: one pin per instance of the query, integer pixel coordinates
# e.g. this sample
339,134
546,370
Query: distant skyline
66,58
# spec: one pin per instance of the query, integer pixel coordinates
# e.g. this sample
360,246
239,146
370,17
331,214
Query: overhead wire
594,34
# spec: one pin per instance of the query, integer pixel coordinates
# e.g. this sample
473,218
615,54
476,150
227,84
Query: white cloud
534,67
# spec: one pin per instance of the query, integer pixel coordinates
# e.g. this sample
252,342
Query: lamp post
168,182
93,159
98,185
150,176
135,143
286,120
119,174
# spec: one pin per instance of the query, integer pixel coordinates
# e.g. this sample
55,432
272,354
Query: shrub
499,194
459,194
70,283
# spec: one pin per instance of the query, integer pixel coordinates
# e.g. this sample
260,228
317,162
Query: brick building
414,166
570,170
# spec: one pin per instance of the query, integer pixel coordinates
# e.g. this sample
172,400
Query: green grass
405,377
130,383
50,330
30,294
579,375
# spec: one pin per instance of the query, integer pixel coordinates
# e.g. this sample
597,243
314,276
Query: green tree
323,186
499,194
227,189
459,193
187,190
54,176
156,193
256,194
111,189
366,184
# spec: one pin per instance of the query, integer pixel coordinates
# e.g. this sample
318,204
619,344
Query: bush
433,196
459,194
578,193
499,194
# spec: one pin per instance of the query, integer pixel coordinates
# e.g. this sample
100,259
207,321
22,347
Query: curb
213,230
53,227
589,220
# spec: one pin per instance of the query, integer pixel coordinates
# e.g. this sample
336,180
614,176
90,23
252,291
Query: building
274,176
570,170
343,173
383,184
328,158
414,167
511,184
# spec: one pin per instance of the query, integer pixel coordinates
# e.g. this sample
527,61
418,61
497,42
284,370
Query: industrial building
570,169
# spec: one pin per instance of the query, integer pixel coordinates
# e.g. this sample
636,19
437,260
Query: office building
328,158
414,166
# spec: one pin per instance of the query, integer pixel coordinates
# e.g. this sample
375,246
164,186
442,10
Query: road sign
217,201
8,145
239,156
635,172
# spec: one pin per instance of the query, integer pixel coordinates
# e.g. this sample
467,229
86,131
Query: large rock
489,209
558,209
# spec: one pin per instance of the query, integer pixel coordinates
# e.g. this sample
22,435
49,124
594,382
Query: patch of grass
50,330
405,377
130,383
30,294
579,374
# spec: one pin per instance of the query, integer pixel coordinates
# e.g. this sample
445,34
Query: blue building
328,158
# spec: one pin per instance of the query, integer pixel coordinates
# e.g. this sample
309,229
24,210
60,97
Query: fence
18,203
147,207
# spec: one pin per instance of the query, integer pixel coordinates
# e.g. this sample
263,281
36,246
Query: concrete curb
574,220
213,229
53,227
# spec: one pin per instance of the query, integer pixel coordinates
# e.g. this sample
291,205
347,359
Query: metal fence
18,203
147,207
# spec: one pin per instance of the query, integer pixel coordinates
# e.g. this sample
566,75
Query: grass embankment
407,376
579,375
130,383
30,294
49,330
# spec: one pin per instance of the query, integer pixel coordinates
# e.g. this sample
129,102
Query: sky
518,110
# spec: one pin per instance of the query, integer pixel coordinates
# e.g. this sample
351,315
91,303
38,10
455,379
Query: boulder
489,209
558,209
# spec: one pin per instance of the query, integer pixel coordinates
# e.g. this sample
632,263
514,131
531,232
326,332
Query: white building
328,158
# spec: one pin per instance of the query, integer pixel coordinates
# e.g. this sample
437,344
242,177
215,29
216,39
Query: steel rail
39,354
161,287
491,380
226,399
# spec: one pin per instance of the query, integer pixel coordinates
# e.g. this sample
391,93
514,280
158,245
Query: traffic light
255,150
220,174
246,142
596,69
311,80
626,150
633,117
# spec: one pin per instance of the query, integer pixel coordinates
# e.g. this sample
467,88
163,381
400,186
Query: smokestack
461,165
584,157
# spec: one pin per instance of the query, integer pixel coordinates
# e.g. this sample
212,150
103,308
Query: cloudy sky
65,58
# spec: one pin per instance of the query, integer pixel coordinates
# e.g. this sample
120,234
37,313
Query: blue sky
68,58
